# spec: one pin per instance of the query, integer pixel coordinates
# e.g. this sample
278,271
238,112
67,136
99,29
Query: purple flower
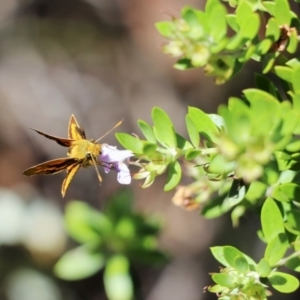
112,158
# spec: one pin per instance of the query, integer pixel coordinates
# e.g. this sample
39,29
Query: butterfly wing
75,132
51,167
60,141
71,170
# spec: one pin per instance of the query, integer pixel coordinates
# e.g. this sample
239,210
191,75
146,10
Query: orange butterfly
81,153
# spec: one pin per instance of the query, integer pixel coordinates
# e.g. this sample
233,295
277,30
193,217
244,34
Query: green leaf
263,268
250,52
230,256
174,176
293,42
296,105
290,120
271,220
256,96
296,80
243,11
293,63
236,214
268,62
272,30
191,154
223,279
276,248
293,146
218,120
192,131
262,48
149,148
166,29
284,72
293,264
293,219
220,165
117,280
231,20
130,142
218,253
78,263
215,49
216,18
216,289
147,131
287,192
269,6
250,27
235,42
205,126
284,283
148,181
238,105
189,15
283,159
282,12
182,143
163,128
235,259
85,224
255,191
241,264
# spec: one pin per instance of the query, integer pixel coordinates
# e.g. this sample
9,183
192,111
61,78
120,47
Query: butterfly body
81,153
83,149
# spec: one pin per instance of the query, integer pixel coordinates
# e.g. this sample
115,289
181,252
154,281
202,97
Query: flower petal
112,154
124,176
112,158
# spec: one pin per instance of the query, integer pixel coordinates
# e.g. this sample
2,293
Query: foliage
242,278
223,42
244,157
247,155
111,241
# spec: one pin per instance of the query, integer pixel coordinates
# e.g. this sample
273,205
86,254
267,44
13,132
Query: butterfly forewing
51,167
60,141
75,132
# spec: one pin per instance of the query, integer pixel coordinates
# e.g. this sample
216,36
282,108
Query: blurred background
101,61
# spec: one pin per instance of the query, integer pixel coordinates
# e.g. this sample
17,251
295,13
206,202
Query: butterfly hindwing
71,171
50,167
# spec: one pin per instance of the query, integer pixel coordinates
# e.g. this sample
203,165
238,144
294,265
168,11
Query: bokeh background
100,60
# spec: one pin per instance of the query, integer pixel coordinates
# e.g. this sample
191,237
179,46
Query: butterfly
81,153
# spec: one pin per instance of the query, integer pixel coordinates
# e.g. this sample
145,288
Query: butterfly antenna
109,131
97,171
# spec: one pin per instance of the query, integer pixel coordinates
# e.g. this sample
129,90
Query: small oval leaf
78,263
284,283
163,128
174,176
